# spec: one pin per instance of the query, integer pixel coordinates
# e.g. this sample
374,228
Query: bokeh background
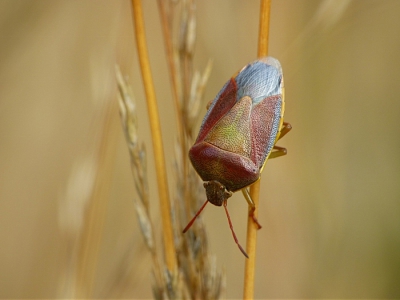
330,209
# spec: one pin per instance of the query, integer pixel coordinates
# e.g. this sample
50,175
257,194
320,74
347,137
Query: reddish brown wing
265,120
222,104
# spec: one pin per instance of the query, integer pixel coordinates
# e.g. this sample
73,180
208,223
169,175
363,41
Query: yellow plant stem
248,292
263,34
251,243
165,206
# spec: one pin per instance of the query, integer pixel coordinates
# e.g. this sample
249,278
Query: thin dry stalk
166,20
251,240
97,207
165,207
263,34
167,16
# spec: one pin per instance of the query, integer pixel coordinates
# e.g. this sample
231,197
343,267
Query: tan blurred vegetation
330,209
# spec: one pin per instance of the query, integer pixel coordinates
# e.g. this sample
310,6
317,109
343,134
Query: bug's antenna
233,232
194,218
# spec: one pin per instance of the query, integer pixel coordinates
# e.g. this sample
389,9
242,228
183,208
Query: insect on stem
194,218
233,232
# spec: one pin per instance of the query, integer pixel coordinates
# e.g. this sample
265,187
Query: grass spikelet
195,275
137,154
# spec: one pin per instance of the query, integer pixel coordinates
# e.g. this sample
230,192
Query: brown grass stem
90,239
165,206
251,241
166,21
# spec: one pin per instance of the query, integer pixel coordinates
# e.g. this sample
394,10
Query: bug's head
216,192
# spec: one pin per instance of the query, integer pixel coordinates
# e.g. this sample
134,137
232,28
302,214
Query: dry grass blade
91,236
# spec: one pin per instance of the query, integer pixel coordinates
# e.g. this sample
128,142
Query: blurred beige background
330,208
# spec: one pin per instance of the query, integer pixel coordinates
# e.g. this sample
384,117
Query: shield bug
238,134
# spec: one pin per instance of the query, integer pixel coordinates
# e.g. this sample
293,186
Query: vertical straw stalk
165,206
91,235
166,15
248,291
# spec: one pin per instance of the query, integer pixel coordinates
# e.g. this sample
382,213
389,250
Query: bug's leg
280,151
277,152
252,206
233,232
286,127
194,218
